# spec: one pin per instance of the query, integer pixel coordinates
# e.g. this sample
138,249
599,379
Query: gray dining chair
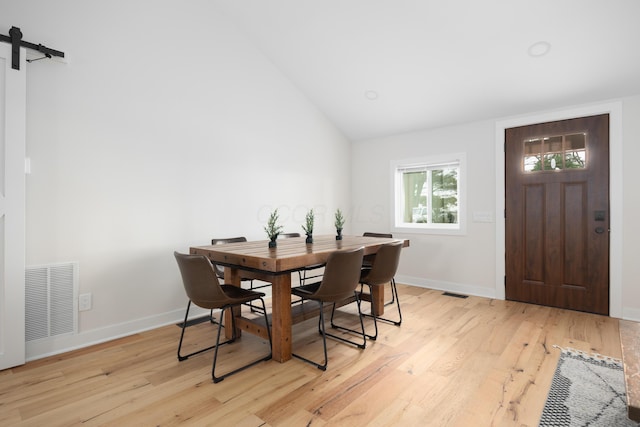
220,270
300,271
339,282
368,259
204,290
303,273
372,234
288,235
381,272
306,273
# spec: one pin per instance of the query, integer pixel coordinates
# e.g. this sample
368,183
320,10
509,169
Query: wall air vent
51,300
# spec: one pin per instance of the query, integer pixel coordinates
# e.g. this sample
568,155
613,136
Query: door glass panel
552,161
575,155
555,153
532,153
553,144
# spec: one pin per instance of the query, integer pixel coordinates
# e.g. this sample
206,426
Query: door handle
599,230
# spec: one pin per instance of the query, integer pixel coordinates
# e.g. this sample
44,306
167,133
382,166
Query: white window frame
397,194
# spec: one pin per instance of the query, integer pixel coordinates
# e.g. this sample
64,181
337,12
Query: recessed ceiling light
371,95
539,49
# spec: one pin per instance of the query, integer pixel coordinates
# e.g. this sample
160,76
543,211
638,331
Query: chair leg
212,319
217,379
393,297
323,332
184,325
253,308
300,283
394,291
322,367
362,332
302,274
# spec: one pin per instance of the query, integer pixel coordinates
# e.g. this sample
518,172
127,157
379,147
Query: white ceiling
442,62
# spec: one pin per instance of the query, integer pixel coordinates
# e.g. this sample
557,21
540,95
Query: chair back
288,235
385,264
341,275
228,240
371,234
200,281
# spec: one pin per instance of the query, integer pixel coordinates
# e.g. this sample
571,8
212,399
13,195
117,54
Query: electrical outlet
84,302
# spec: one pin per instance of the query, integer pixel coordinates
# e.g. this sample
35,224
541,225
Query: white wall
166,128
456,263
467,263
631,207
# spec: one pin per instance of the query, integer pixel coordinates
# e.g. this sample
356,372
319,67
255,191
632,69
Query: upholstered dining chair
372,234
220,270
382,271
302,273
204,290
368,259
288,235
338,283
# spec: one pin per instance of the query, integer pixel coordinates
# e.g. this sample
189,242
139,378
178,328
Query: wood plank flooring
453,362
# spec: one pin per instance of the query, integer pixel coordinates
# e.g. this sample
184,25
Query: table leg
281,317
231,277
377,300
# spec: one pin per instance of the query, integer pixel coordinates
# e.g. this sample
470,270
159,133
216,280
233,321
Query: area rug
587,390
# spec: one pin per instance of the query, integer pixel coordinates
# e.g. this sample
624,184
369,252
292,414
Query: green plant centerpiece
339,223
308,227
273,229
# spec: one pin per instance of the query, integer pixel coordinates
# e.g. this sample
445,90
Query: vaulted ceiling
381,67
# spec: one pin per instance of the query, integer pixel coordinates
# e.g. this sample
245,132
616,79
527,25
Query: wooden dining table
256,260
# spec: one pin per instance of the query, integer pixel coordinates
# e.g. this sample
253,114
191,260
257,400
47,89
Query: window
555,153
428,195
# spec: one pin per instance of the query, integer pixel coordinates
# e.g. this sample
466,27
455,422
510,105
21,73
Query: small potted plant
339,223
308,228
273,229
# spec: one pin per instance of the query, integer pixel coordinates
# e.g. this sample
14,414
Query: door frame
614,109
12,305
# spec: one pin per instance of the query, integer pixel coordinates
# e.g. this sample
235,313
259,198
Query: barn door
12,209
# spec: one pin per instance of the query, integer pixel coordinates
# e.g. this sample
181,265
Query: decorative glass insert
555,153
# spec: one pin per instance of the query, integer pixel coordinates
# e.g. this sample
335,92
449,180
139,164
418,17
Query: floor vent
50,300
451,294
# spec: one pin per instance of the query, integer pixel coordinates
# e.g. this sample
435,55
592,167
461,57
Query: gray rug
587,390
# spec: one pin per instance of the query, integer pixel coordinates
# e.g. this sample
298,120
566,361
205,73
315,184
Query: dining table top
290,254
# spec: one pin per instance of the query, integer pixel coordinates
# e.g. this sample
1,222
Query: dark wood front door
557,214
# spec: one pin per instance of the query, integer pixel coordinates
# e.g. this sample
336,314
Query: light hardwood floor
453,362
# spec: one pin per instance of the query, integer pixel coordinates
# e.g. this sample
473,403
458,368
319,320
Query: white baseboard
628,313
458,288
45,347
631,314
60,344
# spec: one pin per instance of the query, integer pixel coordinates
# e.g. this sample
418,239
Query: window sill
437,230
